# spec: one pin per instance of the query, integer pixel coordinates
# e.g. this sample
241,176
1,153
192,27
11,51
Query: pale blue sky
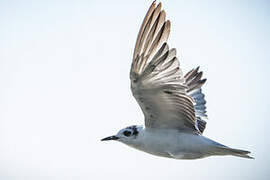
64,85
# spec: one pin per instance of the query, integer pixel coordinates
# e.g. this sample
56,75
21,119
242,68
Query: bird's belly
160,144
174,145
153,148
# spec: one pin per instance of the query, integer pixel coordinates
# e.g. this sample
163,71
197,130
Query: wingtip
159,4
197,68
168,27
168,23
203,81
154,3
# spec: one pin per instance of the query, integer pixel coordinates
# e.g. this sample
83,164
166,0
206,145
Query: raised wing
167,98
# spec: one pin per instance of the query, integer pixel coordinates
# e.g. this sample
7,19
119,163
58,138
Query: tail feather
234,152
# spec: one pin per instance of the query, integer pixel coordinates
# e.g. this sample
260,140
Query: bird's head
126,135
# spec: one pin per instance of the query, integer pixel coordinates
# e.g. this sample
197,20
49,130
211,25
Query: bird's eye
127,133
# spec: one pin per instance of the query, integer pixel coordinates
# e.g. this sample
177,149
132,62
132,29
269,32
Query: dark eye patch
127,133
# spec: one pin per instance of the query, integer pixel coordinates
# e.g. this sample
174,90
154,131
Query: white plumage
173,104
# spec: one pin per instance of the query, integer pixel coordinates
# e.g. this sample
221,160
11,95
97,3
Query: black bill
110,138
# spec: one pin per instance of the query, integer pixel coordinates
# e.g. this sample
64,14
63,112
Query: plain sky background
64,85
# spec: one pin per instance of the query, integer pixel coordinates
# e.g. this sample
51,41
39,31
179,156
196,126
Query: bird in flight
172,103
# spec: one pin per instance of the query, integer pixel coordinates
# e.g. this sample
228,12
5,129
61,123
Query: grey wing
167,98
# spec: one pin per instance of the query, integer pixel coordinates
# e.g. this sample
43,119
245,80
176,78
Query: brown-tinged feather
167,99
147,16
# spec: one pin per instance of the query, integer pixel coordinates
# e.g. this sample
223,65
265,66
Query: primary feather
167,98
